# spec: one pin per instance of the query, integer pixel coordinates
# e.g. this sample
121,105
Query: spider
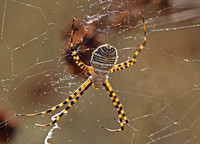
103,61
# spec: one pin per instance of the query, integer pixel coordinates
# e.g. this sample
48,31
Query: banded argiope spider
103,62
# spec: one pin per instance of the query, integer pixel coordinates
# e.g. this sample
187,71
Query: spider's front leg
74,97
59,105
84,87
118,106
75,56
132,61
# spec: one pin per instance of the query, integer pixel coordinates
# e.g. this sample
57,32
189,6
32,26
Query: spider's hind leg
132,61
75,55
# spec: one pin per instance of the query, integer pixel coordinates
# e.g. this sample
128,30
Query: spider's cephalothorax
103,59
103,62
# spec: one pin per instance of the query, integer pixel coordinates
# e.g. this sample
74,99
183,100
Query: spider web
160,94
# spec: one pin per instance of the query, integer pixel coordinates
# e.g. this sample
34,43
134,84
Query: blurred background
160,93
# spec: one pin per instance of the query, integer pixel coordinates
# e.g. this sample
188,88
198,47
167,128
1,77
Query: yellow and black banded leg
61,104
118,106
76,58
132,61
88,84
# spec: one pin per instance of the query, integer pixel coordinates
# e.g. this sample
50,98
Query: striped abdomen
103,59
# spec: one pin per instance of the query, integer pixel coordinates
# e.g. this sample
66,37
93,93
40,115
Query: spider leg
132,61
87,84
59,105
118,106
76,58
